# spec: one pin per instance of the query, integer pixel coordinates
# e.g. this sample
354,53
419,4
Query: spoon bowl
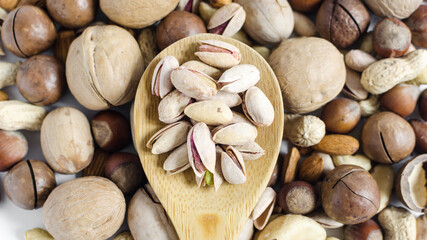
203,213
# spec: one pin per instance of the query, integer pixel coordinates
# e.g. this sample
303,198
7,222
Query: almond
337,144
96,167
311,169
290,166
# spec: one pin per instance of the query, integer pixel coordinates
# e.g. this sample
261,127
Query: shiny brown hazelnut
401,99
417,22
41,80
125,170
297,197
391,38
341,115
342,21
368,230
422,105
29,183
387,138
27,31
72,13
305,5
13,148
350,194
178,25
111,130
420,129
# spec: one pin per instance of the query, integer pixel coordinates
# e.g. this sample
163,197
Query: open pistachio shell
204,68
234,134
218,54
201,149
171,108
161,83
228,20
250,151
169,137
233,166
263,208
239,78
177,161
193,83
258,108
210,112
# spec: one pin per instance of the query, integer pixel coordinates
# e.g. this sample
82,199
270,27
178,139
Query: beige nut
233,166
8,73
177,161
250,151
230,99
397,223
210,112
171,107
204,68
264,208
169,137
353,88
358,60
257,107
193,83
239,78
201,149
304,131
358,160
161,83
37,234
218,54
228,20
303,25
384,176
16,115
234,134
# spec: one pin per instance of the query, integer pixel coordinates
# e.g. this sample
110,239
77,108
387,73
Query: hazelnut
411,183
41,80
29,183
27,31
350,194
387,138
178,25
342,21
297,197
417,22
368,230
62,44
391,38
422,105
72,13
125,170
111,130
341,115
420,129
401,99
305,5
13,148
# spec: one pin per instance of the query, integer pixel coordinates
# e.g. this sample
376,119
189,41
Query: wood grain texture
203,213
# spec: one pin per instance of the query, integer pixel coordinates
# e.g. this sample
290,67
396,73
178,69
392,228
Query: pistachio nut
230,99
189,5
193,83
258,108
263,208
239,78
210,112
234,134
247,231
201,149
233,166
206,11
218,54
147,218
204,68
169,137
171,108
177,161
213,178
238,117
250,151
161,83
353,88
228,20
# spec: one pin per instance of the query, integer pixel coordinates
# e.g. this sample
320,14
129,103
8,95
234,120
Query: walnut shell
137,13
103,67
311,72
84,208
393,8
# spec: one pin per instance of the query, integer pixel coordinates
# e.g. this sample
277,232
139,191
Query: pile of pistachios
215,140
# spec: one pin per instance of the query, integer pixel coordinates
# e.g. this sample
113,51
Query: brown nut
337,144
62,44
219,3
13,148
178,25
420,129
125,170
311,169
29,183
342,21
297,197
368,230
401,99
411,183
27,31
341,115
289,167
350,194
111,130
41,80
72,13
391,38
422,105
387,138
96,166
417,22
9,5
305,5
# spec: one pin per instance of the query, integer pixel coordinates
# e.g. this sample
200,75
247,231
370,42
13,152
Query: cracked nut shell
342,21
387,138
350,194
27,31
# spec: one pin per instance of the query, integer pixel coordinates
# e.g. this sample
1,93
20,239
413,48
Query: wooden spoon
202,213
